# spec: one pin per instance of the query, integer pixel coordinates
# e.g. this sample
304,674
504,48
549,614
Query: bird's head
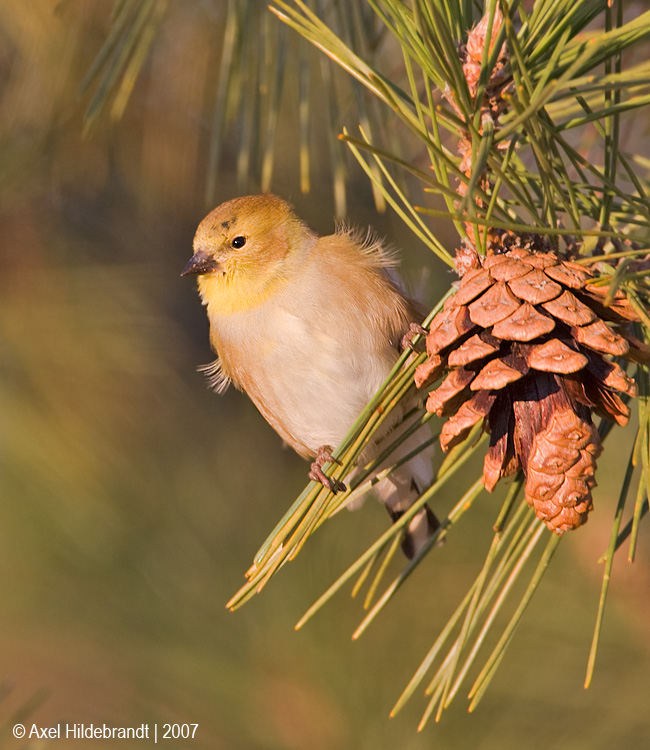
244,247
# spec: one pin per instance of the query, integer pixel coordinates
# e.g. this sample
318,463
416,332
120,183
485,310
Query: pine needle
609,561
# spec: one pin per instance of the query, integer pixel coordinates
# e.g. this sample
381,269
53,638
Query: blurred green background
133,499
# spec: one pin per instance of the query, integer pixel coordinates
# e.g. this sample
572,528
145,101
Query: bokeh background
133,499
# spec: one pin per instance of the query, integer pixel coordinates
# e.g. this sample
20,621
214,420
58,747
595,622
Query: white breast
313,383
306,360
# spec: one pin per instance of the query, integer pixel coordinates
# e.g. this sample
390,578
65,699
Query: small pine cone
525,343
475,47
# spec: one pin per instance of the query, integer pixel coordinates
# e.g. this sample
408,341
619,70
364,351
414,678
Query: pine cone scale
568,308
478,280
535,287
556,356
494,305
525,324
477,347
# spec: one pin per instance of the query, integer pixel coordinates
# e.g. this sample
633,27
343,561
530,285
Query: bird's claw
324,456
415,329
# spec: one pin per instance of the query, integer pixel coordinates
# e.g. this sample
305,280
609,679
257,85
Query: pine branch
507,95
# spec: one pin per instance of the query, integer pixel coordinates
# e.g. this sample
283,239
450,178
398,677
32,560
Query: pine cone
525,342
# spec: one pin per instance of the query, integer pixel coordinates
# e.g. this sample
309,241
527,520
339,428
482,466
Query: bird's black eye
238,242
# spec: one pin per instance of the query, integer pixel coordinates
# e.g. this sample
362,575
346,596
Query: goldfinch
309,327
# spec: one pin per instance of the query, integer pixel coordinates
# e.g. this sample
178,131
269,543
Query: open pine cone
526,343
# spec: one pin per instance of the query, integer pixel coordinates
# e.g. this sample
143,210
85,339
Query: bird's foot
324,456
415,329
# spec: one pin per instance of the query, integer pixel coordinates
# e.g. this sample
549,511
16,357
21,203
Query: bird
309,328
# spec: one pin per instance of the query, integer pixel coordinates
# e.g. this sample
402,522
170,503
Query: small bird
309,327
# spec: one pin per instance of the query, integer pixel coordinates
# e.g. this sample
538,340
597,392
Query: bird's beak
201,263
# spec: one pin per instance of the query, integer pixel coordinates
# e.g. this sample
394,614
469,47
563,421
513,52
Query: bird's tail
405,484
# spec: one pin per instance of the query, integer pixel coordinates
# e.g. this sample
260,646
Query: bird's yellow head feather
246,248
